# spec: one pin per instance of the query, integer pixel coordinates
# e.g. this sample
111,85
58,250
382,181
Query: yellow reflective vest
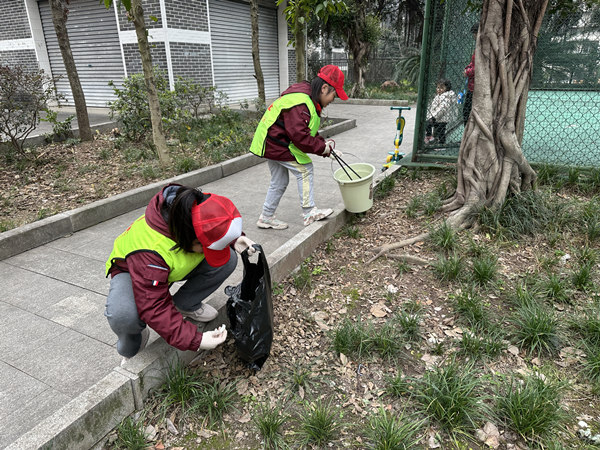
286,101
140,237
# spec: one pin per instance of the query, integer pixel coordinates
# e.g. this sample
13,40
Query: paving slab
60,374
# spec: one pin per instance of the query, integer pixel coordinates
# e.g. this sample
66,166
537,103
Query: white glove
210,339
242,243
329,145
337,152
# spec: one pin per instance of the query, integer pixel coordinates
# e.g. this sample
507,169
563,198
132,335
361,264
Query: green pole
421,109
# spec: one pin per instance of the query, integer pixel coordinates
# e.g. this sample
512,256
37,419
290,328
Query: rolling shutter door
231,39
95,45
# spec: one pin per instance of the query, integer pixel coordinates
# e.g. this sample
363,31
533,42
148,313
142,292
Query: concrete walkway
60,381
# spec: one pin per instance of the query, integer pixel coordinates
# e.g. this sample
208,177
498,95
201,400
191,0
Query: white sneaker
205,313
271,222
145,337
316,214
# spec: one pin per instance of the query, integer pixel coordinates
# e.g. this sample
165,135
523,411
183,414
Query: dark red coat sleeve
149,278
296,122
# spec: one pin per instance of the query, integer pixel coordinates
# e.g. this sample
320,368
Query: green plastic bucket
357,193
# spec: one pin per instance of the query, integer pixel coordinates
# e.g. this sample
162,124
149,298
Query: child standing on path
440,112
286,133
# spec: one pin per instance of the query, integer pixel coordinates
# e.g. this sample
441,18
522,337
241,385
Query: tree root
409,259
389,247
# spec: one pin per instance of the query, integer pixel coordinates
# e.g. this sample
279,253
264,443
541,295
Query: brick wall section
13,17
133,61
187,15
192,61
23,58
150,7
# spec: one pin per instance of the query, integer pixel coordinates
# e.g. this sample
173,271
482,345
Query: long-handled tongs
343,163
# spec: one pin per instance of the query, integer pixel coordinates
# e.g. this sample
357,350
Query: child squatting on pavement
286,133
185,234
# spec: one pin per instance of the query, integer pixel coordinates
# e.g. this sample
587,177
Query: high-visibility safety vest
140,237
286,101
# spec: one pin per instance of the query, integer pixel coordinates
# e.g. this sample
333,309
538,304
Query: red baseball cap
335,77
217,223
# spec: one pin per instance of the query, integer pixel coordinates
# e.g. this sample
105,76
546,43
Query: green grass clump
269,420
485,269
130,434
444,237
214,400
181,388
398,385
536,329
468,304
591,365
410,324
554,288
450,394
302,278
385,187
387,431
318,424
479,345
351,338
449,268
582,277
531,407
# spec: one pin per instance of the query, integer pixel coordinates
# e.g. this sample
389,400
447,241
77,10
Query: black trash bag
250,311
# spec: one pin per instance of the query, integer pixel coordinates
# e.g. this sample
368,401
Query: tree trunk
258,73
137,14
359,50
490,161
300,52
59,18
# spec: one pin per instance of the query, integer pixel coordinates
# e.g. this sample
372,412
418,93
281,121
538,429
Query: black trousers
437,129
467,107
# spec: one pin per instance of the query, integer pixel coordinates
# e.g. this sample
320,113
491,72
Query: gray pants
280,179
121,310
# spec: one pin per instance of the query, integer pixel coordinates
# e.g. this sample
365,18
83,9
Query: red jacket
154,303
470,74
292,125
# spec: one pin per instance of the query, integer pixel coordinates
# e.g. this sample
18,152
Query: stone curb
26,237
86,420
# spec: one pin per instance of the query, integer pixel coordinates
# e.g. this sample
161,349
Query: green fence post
421,109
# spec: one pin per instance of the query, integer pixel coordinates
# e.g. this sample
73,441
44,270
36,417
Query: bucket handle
343,163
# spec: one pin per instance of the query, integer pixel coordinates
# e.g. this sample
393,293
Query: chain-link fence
377,71
562,124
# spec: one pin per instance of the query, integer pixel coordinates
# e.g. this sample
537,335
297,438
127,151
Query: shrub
23,96
132,110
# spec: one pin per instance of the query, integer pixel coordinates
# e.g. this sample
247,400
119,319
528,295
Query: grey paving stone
32,410
64,266
31,291
69,362
23,331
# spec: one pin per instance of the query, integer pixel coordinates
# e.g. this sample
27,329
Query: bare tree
60,14
258,73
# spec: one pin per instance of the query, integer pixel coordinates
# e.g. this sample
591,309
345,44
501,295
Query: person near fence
470,75
441,111
184,234
286,133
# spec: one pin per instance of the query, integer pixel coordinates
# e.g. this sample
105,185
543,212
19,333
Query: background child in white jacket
441,111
